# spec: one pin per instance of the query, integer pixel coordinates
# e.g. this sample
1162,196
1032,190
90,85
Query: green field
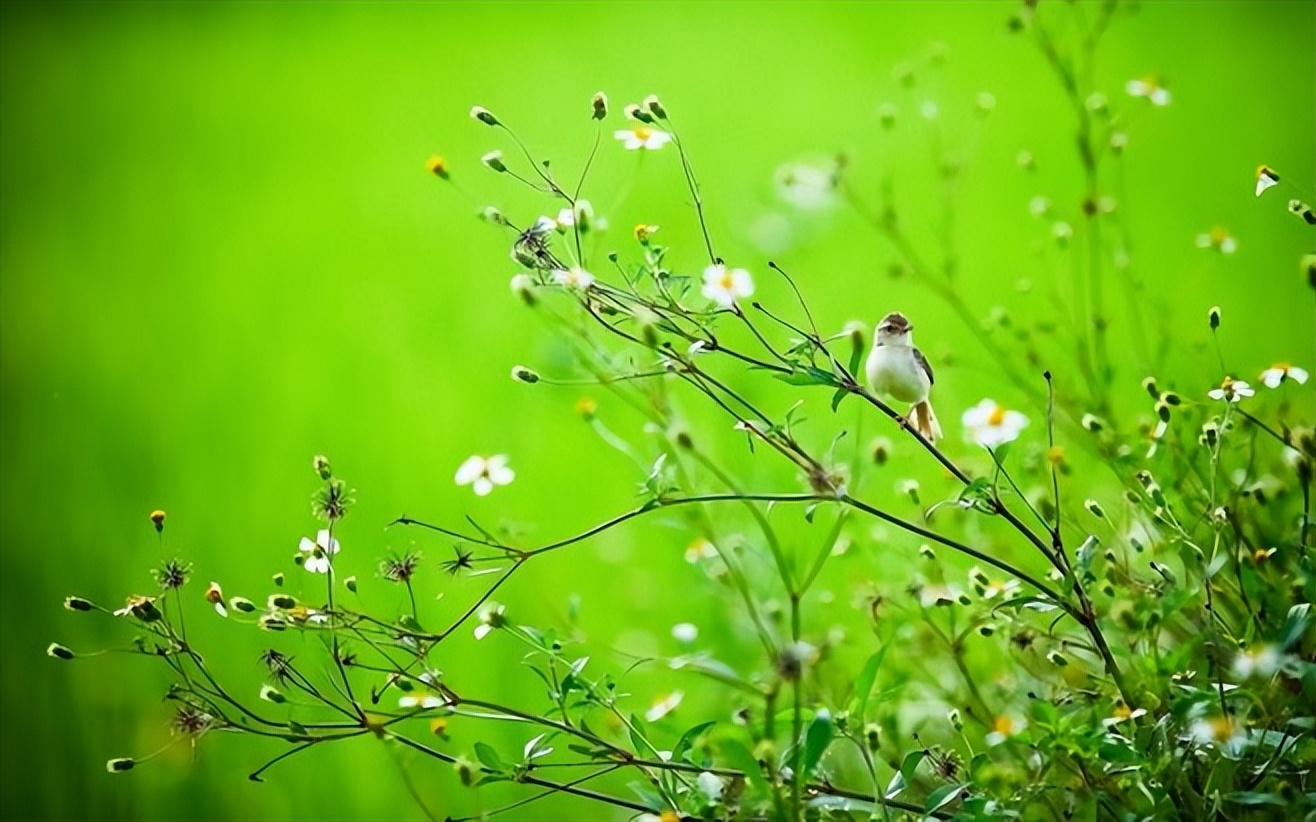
221,254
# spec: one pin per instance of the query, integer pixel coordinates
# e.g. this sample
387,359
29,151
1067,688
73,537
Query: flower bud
1149,385
278,579
1309,268
121,764
484,115
492,216
524,287
886,115
587,408
881,450
465,772
925,551
242,604
1095,509
437,166
271,694
1213,317
522,374
1093,423
600,104
643,232
1171,398
655,108
494,160
872,736
953,717
158,517
350,584
59,651
78,604
1118,142
1058,659
1163,410
637,113
910,489
321,466
283,602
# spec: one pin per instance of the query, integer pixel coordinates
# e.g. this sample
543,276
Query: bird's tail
926,421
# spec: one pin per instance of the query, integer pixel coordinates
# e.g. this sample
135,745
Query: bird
896,369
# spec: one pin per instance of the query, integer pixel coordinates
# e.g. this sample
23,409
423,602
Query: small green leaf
740,757
489,758
943,796
688,740
840,395
863,686
816,739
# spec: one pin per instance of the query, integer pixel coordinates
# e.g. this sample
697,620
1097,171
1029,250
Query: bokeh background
220,254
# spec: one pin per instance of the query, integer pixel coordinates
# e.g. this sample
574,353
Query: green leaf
863,686
977,496
840,395
943,796
489,758
906,773
688,740
808,376
740,757
1295,624
816,739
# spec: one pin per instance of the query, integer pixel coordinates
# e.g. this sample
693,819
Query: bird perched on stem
897,369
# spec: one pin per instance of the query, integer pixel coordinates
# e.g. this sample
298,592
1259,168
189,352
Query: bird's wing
923,363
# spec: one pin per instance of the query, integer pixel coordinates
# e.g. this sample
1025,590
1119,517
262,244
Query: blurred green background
221,254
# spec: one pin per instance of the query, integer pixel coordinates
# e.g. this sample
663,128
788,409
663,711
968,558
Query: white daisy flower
991,425
664,706
1218,238
574,277
492,617
1122,713
685,632
1231,390
725,285
1004,727
1266,178
1219,731
1260,662
484,473
642,137
422,700
324,546
1150,88
1274,376
700,549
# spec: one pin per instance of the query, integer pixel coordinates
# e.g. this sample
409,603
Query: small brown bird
896,369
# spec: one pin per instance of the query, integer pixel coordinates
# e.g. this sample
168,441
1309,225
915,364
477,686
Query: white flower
483,473
1232,390
1122,714
928,109
1220,731
805,186
685,632
215,596
492,616
664,706
1039,206
566,218
421,699
725,285
1261,662
711,785
991,425
1278,373
574,277
641,136
1266,177
1004,727
325,546
700,549
1151,89
1219,239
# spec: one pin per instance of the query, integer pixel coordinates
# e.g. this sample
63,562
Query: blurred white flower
324,546
215,597
1231,390
1275,375
492,616
1221,731
1122,714
574,277
1266,178
1004,727
664,706
1150,88
807,186
642,137
700,549
711,786
991,425
1260,662
685,632
725,285
484,473
1039,206
421,699
1219,239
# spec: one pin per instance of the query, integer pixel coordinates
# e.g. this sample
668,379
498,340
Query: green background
221,254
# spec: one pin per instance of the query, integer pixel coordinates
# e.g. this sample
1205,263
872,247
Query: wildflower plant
1131,640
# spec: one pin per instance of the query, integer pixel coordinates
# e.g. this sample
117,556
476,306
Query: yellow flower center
1222,727
1123,712
726,281
996,417
642,133
1003,725
1219,235
1055,455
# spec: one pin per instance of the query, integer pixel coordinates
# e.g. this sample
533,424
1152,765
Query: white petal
566,217
1265,181
1298,375
1016,421
977,416
306,545
713,274
482,630
685,632
718,294
220,609
1216,393
1160,97
1272,377
1203,240
742,285
482,486
1228,245
1137,88
657,139
317,565
469,470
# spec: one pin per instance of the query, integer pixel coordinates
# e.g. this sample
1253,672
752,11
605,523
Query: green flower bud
350,584
522,374
1095,509
1213,317
271,694
321,466
600,104
242,604
59,651
494,160
655,107
484,115
78,604
120,765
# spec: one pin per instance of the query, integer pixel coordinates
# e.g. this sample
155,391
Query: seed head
158,517
437,166
78,604
483,115
600,103
58,651
522,374
321,466
494,160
